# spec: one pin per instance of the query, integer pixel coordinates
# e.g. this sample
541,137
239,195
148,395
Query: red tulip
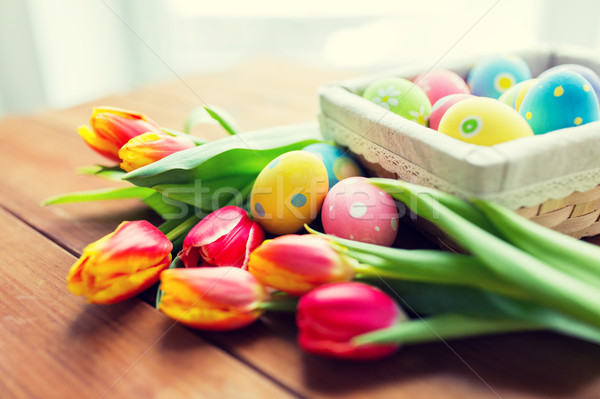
298,263
112,128
331,315
222,298
122,264
223,238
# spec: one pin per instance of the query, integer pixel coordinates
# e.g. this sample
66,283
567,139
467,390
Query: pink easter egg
441,83
357,210
442,105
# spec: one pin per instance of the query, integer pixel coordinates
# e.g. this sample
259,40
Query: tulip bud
298,263
112,128
223,238
149,147
212,298
122,264
330,316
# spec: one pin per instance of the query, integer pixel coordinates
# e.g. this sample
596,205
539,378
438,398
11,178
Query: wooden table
54,345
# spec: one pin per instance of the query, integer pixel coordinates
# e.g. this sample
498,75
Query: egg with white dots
559,100
339,163
289,192
400,96
492,76
357,210
483,121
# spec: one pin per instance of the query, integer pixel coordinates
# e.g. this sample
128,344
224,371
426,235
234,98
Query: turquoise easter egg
559,100
492,76
402,97
338,162
585,72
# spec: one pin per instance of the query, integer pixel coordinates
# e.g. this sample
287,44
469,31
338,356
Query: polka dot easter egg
483,121
289,192
442,105
559,100
585,73
402,97
441,83
357,210
515,95
492,76
338,162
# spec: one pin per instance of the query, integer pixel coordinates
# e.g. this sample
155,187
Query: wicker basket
552,179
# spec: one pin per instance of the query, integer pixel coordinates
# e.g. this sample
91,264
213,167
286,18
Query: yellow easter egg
483,121
289,192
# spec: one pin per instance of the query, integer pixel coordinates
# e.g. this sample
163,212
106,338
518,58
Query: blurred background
60,53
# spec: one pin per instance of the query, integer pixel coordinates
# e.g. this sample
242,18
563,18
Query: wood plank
54,345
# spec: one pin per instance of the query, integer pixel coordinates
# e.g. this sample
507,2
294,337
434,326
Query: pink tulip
331,315
223,238
298,263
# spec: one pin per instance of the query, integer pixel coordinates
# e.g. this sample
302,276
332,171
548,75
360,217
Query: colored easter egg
483,121
515,95
289,192
492,76
441,83
402,97
357,210
559,100
339,163
442,105
585,72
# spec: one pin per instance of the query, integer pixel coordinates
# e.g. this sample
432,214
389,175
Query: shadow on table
543,364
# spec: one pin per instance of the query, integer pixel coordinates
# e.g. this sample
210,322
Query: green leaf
168,208
176,133
97,195
216,172
210,114
108,172
433,299
223,119
443,327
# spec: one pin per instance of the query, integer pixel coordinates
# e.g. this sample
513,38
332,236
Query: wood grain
54,345
38,157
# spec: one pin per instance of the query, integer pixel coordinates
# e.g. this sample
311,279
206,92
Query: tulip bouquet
214,267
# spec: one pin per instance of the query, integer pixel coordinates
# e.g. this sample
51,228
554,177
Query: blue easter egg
492,76
585,72
559,100
338,162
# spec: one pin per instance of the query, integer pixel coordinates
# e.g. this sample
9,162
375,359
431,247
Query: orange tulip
122,264
112,128
298,263
212,298
150,147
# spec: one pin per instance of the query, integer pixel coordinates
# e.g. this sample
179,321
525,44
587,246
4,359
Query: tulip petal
222,298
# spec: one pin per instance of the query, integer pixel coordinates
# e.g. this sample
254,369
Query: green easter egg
402,97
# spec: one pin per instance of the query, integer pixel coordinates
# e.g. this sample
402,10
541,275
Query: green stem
443,327
547,285
429,273
287,305
182,228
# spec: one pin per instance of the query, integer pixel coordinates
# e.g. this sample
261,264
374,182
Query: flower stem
182,228
287,305
443,327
